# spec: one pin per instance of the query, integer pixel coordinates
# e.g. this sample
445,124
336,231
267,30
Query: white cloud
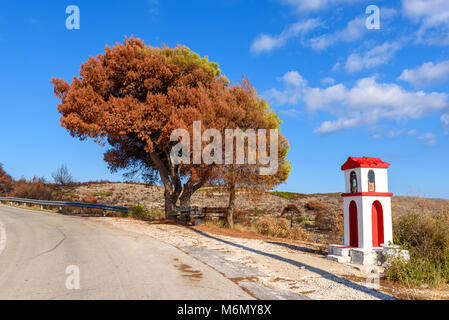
336,67
431,11
429,139
445,122
354,30
266,43
394,133
292,78
294,85
377,56
426,74
328,81
433,17
343,123
367,102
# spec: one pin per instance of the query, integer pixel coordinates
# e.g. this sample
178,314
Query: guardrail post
104,212
82,210
60,209
42,207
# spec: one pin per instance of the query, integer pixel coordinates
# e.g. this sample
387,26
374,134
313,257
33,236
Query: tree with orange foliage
133,97
6,182
251,113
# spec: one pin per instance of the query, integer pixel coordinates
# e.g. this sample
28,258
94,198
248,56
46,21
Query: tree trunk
186,195
169,205
170,195
185,199
189,189
231,206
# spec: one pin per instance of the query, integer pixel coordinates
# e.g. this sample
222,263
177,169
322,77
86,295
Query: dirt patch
189,272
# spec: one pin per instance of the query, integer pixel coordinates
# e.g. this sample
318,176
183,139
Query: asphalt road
48,256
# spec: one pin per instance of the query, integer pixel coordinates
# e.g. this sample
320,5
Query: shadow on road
299,248
322,273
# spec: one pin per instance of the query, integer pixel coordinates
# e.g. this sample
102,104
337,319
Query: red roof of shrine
364,162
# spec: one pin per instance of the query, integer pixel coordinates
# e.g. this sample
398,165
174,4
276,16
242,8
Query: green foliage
426,236
419,271
222,223
289,195
258,212
305,219
139,212
101,194
330,194
188,60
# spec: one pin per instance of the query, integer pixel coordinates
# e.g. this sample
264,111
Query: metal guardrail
61,204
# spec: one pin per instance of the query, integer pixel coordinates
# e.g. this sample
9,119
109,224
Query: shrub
90,199
280,228
306,219
426,236
316,206
241,217
6,182
323,217
338,223
138,211
35,189
292,210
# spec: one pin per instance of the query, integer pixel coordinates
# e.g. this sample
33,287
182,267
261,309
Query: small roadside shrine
368,238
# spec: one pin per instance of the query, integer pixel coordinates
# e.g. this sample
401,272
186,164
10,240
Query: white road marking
2,237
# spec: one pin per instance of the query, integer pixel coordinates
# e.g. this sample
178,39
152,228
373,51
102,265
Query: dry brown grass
280,228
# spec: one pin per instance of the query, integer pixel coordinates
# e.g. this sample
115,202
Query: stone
364,257
391,252
339,258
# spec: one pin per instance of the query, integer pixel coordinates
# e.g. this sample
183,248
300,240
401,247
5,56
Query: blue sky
341,89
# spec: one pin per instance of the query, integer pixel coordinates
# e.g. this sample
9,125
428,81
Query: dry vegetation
420,225
426,236
321,215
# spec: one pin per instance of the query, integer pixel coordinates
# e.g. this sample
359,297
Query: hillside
322,212
270,203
